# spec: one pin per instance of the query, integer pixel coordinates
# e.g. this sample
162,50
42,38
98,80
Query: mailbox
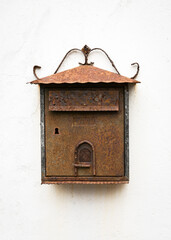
84,124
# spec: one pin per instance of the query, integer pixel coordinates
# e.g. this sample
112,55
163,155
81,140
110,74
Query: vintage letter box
84,125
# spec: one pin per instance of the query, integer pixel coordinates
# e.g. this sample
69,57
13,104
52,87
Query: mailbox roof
84,74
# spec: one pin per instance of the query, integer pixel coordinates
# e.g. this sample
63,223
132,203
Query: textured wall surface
40,32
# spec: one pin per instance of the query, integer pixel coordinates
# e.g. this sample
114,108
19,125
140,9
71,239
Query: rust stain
84,100
84,74
86,182
102,130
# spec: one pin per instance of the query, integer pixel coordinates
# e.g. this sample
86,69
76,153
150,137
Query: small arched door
84,158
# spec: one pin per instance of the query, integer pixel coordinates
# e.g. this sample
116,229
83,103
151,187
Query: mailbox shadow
98,190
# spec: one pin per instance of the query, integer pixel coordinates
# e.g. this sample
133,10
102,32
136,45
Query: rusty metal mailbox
84,125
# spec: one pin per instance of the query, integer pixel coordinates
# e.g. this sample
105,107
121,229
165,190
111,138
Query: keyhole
56,131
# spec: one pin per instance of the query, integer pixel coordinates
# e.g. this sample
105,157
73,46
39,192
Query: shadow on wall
91,190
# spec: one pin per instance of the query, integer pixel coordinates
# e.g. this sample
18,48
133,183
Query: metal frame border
126,130
42,128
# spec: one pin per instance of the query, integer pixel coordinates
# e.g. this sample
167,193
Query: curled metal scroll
72,50
86,51
138,68
34,71
113,65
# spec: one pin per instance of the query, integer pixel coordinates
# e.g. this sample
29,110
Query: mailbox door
84,137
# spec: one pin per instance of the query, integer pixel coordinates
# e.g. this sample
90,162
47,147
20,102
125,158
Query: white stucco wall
40,32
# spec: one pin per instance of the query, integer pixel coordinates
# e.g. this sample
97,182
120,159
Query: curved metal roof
84,74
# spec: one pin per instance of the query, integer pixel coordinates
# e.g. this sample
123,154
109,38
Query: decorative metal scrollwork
86,52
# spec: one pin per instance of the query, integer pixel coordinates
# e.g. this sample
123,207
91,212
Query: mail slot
82,99
84,126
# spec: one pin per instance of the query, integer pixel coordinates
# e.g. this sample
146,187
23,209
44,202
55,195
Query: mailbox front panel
84,134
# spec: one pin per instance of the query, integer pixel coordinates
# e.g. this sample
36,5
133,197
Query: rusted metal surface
79,122
85,178
84,74
80,100
86,51
105,131
85,182
85,157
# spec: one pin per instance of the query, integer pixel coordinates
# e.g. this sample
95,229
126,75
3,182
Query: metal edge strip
126,132
42,128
